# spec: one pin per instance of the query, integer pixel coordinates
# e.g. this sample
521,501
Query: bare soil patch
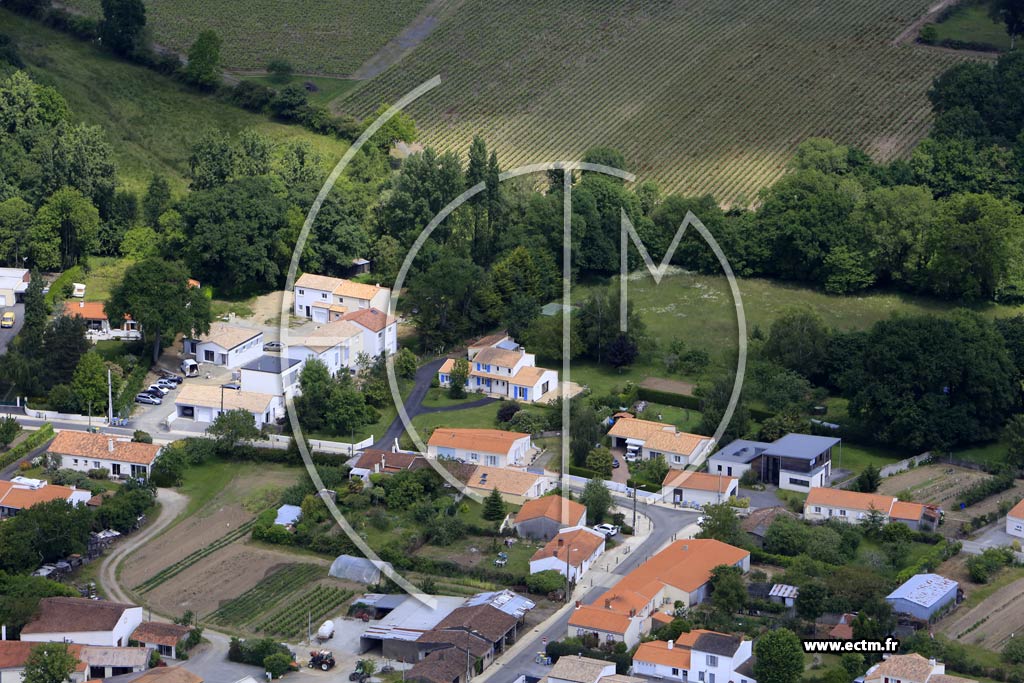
990,623
220,577
673,386
222,515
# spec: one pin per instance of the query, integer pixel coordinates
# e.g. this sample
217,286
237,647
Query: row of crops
181,565
315,37
702,98
293,619
265,595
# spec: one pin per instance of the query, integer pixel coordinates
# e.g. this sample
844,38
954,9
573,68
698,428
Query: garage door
3,299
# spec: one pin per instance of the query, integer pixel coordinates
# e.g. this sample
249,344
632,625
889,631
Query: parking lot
8,333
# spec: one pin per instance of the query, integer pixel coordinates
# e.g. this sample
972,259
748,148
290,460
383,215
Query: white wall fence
322,446
615,487
904,465
97,420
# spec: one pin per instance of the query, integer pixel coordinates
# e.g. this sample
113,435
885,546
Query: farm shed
358,569
1015,520
922,595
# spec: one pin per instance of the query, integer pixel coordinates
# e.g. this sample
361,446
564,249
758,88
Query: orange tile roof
698,481
590,616
851,500
685,565
98,446
489,340
658,652
657,435
555,508
484,440
160,633
228,336
583,542
511,482
20,498
661,618
169,674
528,376
447,365
370,318
90,310
357,290
14,653
193,283
321,282
1017,510
912,667
904,510
493,355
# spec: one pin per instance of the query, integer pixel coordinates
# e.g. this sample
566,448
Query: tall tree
79,156
799,341
253,154
156,293
720,522
494,507
203,66
15,219
65,229
233,426
597,499
1011,14
49,663
211,162
64,344
156,200
235,236
123,25
457,378
778,657
89,383
728,594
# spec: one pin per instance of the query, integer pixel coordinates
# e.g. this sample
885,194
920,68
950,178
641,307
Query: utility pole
110,399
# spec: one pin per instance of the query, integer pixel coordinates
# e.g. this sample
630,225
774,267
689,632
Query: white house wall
1015,526
240,355
116,637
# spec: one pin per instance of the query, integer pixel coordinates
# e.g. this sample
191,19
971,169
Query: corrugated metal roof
803,446
923,589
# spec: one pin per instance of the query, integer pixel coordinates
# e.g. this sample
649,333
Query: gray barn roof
923,589
742,450
273,364
802,446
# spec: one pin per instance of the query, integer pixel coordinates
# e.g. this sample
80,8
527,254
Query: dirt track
990,623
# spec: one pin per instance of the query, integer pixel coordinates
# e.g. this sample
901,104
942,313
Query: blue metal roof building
922,595
801,446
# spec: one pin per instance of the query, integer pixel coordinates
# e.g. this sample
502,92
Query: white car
163,390
608,530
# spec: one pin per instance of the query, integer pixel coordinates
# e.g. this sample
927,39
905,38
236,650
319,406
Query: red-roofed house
682,571
852,506
572,550
97,323
379,330
488,447
545,516
21,493
504,369
696,656
14,655
84,451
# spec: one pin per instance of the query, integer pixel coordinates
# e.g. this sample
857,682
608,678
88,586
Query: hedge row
669,398
930,560
34,440
761,557
989,487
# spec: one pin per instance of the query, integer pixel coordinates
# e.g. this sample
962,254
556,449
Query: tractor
322,659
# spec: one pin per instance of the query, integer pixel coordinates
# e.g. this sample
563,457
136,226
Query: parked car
163,390
7,320
608,530
615,463
169,383
170,376
273,346
190,368
231,385
148,399
156,393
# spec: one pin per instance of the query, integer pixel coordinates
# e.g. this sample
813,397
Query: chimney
932,661
3,632
110,445
671,644
560,542
578,605
632,613
81,304
607,603
383,462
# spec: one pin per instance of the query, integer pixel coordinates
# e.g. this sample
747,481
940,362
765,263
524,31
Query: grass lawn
221,309
202,482
993,453
150,121
856,458
438,398
970,23
113,349
683,418
105,273
482,417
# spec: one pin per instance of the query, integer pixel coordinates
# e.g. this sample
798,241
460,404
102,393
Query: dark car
170,376
155,393
232,385
615,463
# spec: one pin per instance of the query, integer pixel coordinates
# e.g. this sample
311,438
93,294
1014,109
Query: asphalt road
414,404
7,334
666,521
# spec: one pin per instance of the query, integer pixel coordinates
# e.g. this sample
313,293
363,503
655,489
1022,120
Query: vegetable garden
186,562
266,594
293,619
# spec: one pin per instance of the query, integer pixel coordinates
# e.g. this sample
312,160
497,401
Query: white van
189,368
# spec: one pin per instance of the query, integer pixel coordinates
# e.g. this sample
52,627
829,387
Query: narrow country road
414,404
172,504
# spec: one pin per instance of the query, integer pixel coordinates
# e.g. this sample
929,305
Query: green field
708,97
970,23
316,37
151,121
328,89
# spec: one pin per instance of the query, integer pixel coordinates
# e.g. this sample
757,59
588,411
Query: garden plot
942,485
989,623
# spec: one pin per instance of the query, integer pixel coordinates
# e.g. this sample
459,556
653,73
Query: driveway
414,404
990,538
7,334
762,499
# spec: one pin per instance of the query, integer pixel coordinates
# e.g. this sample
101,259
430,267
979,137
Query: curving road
414,403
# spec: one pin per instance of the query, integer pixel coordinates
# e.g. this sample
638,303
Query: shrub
277,664
507,410
544,582
142,437
749,479
255,651
527,422
99,473
988,487
982,567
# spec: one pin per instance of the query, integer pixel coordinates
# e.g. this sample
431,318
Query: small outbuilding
358,569
1015,520
923,595
288,515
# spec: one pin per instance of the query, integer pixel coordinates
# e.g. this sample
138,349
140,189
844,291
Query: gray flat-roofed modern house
923,595
798,462
735,458
274,375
